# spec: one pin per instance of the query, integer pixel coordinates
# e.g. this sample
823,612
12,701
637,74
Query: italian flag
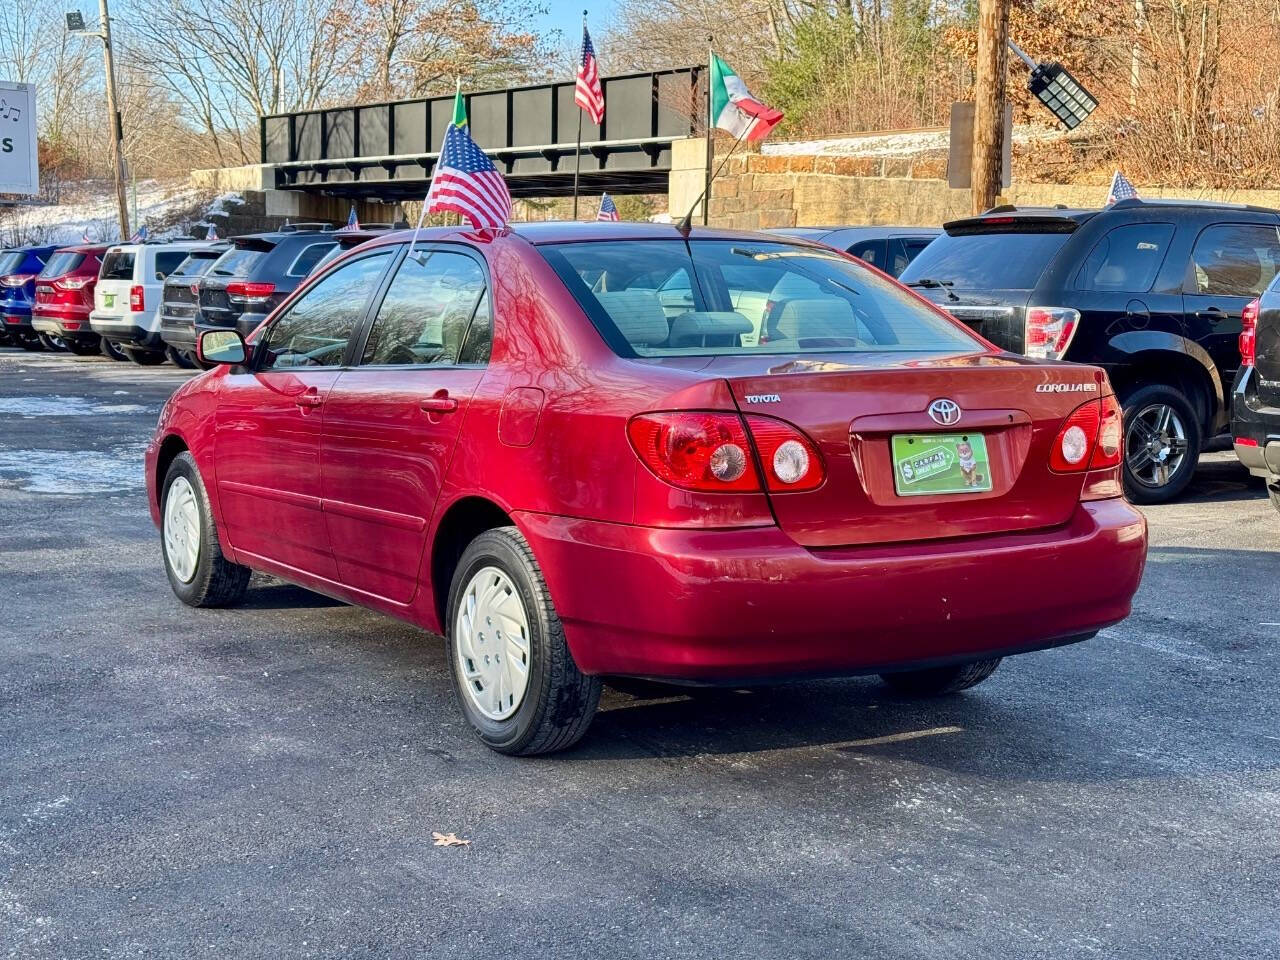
734,109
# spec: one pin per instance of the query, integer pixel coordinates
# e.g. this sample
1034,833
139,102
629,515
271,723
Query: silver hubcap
1156,441
491,642
182,529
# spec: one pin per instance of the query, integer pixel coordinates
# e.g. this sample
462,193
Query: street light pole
117,127
989,97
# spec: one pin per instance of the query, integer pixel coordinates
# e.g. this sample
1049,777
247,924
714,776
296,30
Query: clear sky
566,16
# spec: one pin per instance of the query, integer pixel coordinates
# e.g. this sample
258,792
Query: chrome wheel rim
182,529
1155,444
491,642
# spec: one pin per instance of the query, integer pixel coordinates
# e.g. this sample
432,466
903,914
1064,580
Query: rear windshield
309,257
167,261
117,265
236,262
11,262
986,261
714,297
196,264
62,262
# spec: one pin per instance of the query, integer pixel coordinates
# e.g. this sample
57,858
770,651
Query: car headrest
638,315
828,317
695,329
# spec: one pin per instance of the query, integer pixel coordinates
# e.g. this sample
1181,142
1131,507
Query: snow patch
73,472
57,406
902,143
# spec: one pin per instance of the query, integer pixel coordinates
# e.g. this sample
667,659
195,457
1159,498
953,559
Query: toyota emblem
944,411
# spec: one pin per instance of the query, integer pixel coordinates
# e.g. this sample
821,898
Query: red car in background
64,296
583,450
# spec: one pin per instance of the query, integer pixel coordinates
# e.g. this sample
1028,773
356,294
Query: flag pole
683,225
711,137
577,157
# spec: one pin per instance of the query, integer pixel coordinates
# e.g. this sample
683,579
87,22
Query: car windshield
10,262
236,262
986,261
62,262
196,264
711,297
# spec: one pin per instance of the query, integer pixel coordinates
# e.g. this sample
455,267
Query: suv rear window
986,261
196,264
236,262
308,258
64,261
714,297
167,261
117,265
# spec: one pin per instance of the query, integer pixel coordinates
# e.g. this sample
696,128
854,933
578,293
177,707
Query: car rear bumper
178,332
244,324
69,324
724,605
1257,424
120,329
17,320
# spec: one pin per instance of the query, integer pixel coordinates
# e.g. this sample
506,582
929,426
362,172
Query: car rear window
714,297
167,261
308,258
117,265
236,262
196,264
62,262
10,262
986,261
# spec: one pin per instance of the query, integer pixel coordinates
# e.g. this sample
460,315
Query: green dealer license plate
933,463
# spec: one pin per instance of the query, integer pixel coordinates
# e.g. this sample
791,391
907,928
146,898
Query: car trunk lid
853,412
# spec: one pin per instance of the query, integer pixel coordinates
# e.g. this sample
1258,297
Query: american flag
353,222
587,93
140,236
467,183
608,209
212,233
1121,189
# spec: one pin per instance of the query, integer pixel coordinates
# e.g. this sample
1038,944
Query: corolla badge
944,411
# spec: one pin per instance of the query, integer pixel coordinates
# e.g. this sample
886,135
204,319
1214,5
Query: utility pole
113,111
989,98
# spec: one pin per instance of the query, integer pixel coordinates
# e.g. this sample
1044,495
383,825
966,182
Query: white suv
126,302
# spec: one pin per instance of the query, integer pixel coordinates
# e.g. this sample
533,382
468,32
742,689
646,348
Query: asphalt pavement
265,781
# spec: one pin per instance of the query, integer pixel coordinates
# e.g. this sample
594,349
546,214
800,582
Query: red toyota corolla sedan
583,450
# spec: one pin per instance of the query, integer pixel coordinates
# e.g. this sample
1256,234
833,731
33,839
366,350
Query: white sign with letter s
19,164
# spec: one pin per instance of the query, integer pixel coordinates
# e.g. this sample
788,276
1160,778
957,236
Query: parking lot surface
265,781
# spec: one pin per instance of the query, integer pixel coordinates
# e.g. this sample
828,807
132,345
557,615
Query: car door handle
1212,313
440,403
309,398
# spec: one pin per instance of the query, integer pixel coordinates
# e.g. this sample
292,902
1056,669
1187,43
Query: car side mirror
221,346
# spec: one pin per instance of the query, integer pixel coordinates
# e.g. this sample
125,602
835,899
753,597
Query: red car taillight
137,299
76,283
712,452
250,292
1092,438
1249,333
1049,331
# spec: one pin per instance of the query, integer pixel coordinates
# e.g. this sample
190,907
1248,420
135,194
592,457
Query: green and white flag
734,109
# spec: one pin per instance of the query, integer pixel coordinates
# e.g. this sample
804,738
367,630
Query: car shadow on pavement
268,593
1222,480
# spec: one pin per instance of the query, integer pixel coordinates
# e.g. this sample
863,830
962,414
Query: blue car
19,267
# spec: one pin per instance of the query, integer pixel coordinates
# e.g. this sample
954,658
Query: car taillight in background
250,293
76,283
712,452
1049,331
1092,438
1249,333
137,299
17,279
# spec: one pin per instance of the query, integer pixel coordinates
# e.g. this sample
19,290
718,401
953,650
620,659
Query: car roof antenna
685,226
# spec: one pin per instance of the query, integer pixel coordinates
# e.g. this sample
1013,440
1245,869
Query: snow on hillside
169,208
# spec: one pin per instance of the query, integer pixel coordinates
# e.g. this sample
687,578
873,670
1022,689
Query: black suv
180,303
1255,407
1152,291
258,271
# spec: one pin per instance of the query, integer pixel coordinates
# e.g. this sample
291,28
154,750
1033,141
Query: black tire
55,344
84,348
29,341
940,681
111,350
179,358
1137,486
144,358
559,701
216,582
197,363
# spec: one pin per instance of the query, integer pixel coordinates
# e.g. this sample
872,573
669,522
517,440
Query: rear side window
117,265
10,262
1127,258
167,261
749,297
196,265
986,261
869,251
1234,260
236,262
425,316
308,258
62,262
